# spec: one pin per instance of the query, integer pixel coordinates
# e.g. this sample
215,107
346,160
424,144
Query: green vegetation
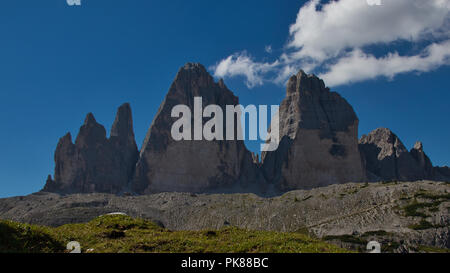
436,200
20,238
429,249
389,246
306,231
422,225
376,233
412,209
118,233
346,239
425,195
360,242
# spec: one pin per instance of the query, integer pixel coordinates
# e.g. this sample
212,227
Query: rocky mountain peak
187,165
90,133
193,74
418,146
95,163
387,158
66,139
303,82
418,153
318,147
309,104
90,120
123,124
388,142
318,131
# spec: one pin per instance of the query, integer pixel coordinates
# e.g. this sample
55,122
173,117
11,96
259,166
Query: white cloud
268,49
334,36
353,24
243,65
359,66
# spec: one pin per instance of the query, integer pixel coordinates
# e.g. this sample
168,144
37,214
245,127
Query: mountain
319,138
318,147
194,165
95,163
387,159
304,185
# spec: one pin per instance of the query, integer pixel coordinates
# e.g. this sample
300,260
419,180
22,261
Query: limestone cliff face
192,165
387,159
95,163
318,147
424,162
319,138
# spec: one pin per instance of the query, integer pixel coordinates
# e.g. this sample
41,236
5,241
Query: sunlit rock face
319,138
387,159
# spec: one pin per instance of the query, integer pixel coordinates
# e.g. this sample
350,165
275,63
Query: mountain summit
198,165
319,138
95,163
318,147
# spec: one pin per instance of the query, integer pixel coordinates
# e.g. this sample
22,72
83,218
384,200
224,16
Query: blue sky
58,62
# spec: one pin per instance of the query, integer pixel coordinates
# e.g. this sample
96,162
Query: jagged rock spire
122,141
90,133
387,159
422,159
123,124
95,163
192,166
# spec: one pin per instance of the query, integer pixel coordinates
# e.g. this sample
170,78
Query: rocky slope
403,216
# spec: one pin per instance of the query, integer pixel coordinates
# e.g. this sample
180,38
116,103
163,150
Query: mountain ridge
319,146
